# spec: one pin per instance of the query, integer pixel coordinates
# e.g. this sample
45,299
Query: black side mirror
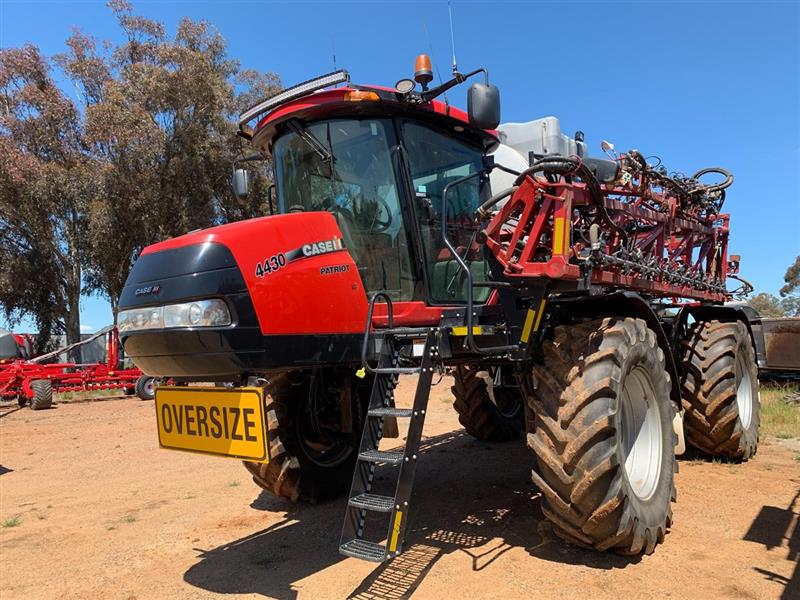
483,105
240,183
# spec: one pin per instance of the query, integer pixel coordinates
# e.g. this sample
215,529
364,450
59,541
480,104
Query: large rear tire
603,436
488,412
42,394
720,389
304,465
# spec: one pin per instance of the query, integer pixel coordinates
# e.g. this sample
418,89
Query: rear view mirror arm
457,78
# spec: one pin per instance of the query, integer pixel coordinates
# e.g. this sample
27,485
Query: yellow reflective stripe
398,518
539,316
461,331
530,319
558,235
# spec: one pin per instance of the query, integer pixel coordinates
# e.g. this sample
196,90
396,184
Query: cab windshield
345,166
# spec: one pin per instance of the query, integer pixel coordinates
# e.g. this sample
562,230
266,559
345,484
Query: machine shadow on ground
8,409
773,526
482,506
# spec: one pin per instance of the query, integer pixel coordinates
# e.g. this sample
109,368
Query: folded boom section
642,231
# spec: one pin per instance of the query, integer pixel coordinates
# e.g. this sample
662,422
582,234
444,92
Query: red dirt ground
102,512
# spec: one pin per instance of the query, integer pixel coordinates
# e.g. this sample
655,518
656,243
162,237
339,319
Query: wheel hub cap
744,393
641,433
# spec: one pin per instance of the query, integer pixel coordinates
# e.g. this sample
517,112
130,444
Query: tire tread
574,436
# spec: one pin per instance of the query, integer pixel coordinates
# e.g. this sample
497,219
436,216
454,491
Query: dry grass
87,395
779,418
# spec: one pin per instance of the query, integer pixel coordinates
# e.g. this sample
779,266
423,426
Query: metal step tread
401,331
364,550
374,502
390,411
396,370
392,457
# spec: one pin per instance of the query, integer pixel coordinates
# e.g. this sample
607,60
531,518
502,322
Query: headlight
200,313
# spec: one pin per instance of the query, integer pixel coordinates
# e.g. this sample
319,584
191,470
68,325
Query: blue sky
696,83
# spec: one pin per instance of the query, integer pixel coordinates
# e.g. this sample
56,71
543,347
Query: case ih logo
322,247
148,291
315,249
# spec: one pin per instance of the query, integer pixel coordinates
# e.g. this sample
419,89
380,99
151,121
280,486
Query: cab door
435,160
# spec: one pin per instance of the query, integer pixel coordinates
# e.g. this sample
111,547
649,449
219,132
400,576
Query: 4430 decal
279,260
271,264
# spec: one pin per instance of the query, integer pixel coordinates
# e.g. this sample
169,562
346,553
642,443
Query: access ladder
401,462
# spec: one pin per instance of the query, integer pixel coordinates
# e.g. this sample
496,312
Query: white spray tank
518,140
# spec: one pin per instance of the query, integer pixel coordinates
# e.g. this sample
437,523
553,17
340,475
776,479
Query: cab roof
355,101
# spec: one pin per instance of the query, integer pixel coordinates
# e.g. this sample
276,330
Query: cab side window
437,160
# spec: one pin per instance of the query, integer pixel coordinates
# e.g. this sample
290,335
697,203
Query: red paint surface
295,299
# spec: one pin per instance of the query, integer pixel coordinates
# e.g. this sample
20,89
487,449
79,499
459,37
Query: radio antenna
333,49
452,37
435,64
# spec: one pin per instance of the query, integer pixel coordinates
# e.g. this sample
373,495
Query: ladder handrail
368,327
470,339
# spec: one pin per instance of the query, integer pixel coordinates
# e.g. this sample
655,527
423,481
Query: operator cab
389,210
381,166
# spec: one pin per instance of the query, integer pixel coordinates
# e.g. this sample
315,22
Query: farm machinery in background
781,349
580,301
33,380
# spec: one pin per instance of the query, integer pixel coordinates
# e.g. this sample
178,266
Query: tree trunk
72,326
72,319
114,300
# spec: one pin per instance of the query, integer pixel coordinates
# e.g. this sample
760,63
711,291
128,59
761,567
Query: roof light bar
298,91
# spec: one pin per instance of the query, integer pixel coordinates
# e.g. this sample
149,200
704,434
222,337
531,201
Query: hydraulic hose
562,165
714,187
484,209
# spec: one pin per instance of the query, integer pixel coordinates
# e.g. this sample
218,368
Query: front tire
603,436
720,389
304,465
493,414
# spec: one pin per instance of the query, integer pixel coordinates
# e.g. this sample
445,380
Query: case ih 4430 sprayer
579,300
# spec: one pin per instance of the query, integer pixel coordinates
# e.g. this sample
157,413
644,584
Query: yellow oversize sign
222,421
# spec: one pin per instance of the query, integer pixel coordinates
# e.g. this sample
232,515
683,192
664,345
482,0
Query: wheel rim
325,453
150,386
318,444
508,405
319,448
744,392
640,421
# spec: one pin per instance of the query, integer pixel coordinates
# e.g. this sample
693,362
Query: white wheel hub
641,435
744,392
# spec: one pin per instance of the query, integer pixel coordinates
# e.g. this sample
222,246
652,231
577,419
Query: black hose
639,158
483,209
565,166
714,187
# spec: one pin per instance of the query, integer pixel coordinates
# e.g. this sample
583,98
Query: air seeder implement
32,379
579,301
